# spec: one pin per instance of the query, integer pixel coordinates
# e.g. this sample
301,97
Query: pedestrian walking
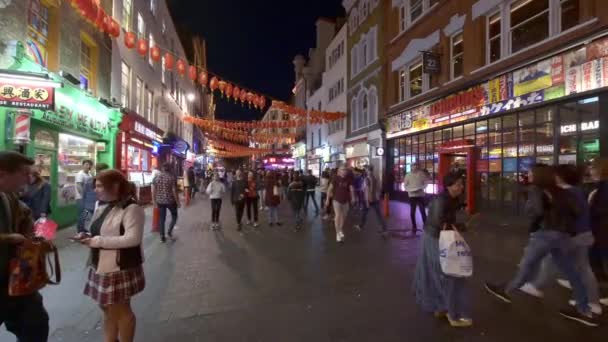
166,198
251,199
89,202
115,270
237,196
273,198
191,182
284,184
24,316
342,192
37,195
82,177
569,178
358,185
372,200
598,204
415,182
436,292
310,183
556,212
296,193
216,190
323,187
261,191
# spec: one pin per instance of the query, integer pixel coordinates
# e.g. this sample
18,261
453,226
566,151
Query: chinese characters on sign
19,96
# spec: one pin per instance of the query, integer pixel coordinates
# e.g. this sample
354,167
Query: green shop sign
81,122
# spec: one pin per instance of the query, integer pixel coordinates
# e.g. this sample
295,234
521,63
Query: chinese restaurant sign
575,71
23,96
82,122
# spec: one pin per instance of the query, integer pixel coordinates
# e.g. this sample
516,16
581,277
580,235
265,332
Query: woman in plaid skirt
116,272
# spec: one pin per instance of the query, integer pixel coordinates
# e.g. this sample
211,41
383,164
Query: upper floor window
285,116
364,52
519,24
153,7
152,43
529,23
364,111
412,10
139,88
141,26
38,27
412,81
87,64
127,14
125,85
415,79
163,70
456,55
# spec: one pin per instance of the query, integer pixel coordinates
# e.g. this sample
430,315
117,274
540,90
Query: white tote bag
455,254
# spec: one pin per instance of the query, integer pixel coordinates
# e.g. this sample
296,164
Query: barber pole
22,127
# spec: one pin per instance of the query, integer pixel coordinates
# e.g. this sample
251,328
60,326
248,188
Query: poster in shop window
532,78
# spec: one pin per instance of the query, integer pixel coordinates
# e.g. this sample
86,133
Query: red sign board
472,98
24,96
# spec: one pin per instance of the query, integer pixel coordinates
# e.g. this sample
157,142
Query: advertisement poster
573,80
532,78
597,49
575,58
497,89
590,79
557,70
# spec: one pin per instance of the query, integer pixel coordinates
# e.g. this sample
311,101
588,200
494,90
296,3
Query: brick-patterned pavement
274,284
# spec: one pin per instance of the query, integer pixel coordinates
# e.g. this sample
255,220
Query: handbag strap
56,271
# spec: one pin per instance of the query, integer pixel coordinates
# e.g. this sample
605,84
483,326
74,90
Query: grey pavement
274,284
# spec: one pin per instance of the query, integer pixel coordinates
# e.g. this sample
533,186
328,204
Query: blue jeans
541,244
580,254
376,207
163,217
273,214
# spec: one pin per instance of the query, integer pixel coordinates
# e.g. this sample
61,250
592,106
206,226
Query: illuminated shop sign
141,129
585,126
25,96
574,71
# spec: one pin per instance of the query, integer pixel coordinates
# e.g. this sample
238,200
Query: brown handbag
28,269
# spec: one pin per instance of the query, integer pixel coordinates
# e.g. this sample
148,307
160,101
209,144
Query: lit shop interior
507,146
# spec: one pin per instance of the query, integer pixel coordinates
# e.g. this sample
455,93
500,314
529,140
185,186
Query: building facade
365,101
55,94
505,85
155,95
281,155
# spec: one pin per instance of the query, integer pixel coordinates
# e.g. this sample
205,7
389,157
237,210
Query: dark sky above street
253,43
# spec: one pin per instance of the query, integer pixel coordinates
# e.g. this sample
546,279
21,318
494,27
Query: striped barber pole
22,127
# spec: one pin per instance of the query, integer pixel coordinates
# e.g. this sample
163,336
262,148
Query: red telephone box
456,150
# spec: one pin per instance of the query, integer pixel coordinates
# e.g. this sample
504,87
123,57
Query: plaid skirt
115,287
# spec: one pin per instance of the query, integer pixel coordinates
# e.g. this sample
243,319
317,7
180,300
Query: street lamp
191,97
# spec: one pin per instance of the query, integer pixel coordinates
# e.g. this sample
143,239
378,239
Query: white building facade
143,86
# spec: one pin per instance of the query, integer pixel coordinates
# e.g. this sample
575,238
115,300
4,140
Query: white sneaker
357,227
596,308
564,283
604,301
341,235
531,290
255,225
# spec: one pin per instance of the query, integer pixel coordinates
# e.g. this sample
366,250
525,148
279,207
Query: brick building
519,82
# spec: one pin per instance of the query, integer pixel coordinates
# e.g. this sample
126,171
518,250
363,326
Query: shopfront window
73,151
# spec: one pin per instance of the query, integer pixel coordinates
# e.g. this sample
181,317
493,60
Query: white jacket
110,240
215,190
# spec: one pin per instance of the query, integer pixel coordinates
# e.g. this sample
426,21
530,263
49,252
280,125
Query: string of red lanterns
92,12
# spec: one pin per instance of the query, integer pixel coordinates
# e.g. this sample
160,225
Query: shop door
460,156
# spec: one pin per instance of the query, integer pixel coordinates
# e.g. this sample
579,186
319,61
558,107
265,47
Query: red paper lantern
130,40
203,78
249,98
142,47
192,73
181,67
243,96
236,93
213,84
169,61
262,102
155,53
229,90
114,28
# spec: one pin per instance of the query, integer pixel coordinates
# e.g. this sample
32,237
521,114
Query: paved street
273,284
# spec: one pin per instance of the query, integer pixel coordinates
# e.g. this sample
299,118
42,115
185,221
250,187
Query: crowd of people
568,238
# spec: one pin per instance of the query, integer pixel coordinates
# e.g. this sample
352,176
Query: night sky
253,43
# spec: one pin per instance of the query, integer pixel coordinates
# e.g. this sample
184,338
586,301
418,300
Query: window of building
87,64
353,114
354,20
402,17
139,88
415,79
494,43
312,139
529,23
163,70
402,85
364,113
373,106
38,27
141,26
125,85
570,13
285,116
153,7
127,14
364,52
354,60
152,43
319,136
415,9
150,106
456,55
